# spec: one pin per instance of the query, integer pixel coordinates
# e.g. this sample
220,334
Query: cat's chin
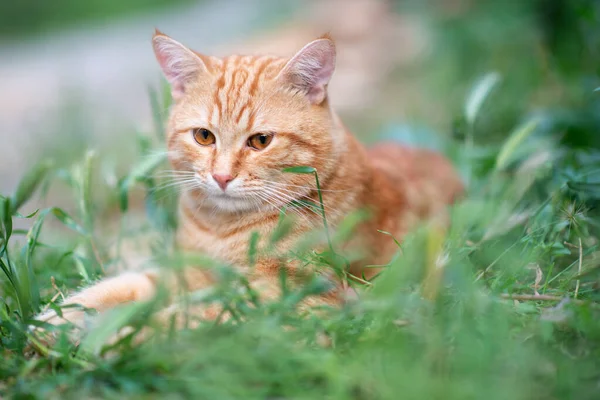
231,204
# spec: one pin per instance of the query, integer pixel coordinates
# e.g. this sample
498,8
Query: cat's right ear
179,64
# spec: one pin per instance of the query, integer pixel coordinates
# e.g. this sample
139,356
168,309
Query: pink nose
222,179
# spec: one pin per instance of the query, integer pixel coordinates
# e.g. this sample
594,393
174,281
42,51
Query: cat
236,123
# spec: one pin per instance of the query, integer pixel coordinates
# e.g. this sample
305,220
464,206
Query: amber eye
260,141
203,136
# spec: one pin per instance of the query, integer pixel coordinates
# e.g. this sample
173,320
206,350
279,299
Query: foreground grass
504,304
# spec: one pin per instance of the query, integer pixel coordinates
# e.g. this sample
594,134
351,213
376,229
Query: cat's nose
223,180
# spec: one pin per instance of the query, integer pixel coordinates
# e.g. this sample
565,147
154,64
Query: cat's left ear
310,70
179,64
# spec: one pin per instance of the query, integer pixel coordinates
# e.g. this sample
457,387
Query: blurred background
77,74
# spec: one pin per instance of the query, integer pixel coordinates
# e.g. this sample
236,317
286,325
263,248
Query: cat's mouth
225,196
231,202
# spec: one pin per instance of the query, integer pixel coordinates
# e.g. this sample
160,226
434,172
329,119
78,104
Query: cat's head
237,122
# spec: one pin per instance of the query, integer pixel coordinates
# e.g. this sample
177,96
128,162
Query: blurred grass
27,18
452,316
547,51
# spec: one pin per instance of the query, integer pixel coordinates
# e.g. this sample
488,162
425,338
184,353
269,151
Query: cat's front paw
42,337
74,316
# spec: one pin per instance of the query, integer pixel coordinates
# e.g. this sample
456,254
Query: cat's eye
260,140
203,136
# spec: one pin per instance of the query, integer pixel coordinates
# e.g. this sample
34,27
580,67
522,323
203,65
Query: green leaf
253,248
157,113
516,138
123,186
28,216
283,228
300,170
66,219
392,236
82,265
138,173
8,273
167,99
479,94
6,219
592,189
34,233
56,308
108,325
29,184
85,194
148,164
347,227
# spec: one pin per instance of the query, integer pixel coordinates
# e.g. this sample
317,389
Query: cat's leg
125,288
265,281
267,288
181,315
104,295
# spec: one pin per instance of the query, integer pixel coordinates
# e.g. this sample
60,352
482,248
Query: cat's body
236,124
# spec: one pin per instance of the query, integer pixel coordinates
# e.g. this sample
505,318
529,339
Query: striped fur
239,96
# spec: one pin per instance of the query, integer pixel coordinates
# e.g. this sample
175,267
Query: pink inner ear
311,69
325,60
178,63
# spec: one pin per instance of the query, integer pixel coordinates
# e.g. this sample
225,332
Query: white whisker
287,200
309,187
299,197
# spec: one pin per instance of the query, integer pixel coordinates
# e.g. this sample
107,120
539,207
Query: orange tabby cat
236,123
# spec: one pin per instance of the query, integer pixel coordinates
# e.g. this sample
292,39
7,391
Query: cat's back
426,177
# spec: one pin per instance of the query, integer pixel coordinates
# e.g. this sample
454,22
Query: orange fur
239,96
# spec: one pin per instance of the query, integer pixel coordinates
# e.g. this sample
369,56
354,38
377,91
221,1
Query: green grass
451,317
28,18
